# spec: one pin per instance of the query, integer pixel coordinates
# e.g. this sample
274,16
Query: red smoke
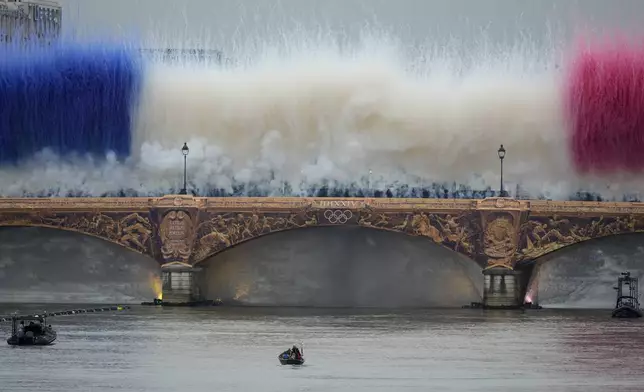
605,108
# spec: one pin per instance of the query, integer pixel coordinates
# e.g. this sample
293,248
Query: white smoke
302,110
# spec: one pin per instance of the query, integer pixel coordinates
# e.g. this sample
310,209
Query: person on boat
32,327
296,352
21,330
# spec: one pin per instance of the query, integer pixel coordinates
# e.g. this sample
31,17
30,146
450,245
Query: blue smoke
68,98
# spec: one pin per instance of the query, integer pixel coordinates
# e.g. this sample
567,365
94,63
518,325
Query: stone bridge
182,231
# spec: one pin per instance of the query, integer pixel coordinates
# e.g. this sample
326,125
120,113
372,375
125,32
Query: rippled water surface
235,349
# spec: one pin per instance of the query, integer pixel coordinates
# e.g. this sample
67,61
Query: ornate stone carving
542,234
459,233
176,233
218,231
500,241
131,230
496,231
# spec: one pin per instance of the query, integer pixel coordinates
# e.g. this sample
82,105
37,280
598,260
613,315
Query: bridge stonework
179,230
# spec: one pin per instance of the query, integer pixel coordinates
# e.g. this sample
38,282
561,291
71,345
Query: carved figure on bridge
135,230
457,233
422,226
403,225
224,230
541,235
500,241
387,221
130,230
204,226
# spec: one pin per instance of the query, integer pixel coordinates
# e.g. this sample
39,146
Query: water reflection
232,349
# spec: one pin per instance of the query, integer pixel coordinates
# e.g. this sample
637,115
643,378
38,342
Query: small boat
627,305
291,357
35,333
290,361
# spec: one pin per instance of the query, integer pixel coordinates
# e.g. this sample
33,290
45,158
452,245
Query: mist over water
343,266
53,266
583,275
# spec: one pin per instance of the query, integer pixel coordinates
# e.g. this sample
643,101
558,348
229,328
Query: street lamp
501,156
184,150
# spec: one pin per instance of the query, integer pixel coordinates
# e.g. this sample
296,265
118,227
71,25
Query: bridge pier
180,284
502,288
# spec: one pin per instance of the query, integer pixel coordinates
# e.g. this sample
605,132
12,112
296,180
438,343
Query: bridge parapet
185,230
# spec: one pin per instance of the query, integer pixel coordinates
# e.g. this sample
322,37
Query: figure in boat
35,333
292,356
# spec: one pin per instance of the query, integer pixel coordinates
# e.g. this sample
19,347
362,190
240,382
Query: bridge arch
342,266
541,235
48,264
132,231
460,234
583,274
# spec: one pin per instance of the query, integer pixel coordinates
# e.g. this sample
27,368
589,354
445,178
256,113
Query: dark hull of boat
627,312
44,340
291,361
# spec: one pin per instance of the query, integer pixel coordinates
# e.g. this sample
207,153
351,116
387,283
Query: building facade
22,20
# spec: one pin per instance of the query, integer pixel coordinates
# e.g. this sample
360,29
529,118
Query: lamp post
501,156
184,150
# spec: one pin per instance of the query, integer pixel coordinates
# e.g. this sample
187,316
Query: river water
235,349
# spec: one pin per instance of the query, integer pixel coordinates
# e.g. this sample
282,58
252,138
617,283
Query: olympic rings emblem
338,216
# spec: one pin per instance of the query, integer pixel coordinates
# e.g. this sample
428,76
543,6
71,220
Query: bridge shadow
582,275
342,266
55,266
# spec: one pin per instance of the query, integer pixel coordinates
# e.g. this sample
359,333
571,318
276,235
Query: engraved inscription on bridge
338,204
176,235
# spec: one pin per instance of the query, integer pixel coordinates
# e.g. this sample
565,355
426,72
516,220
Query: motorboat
626,311
292,356
628,304
286,360
31,331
